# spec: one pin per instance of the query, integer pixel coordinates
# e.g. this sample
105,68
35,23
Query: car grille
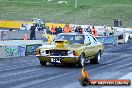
57,52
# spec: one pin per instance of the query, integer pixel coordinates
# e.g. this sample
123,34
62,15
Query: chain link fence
75,12
58,18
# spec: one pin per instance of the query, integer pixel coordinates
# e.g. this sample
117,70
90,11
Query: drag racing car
71,48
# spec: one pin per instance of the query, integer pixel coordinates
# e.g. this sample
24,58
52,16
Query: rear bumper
63,59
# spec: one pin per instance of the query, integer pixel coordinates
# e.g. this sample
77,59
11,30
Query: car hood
61,45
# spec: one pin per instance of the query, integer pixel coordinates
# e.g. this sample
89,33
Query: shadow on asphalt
72,66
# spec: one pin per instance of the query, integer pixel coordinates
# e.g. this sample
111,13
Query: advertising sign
30,49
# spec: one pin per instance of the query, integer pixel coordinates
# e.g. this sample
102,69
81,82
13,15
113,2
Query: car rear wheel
81,61
43,63
96,59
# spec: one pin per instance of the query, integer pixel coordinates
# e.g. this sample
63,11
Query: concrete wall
18,48
20,42
12,51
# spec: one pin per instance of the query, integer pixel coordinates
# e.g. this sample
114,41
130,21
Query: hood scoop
61,43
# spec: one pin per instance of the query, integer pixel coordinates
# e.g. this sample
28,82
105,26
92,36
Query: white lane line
17,73
34,82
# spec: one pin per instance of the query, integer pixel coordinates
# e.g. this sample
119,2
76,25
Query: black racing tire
81,61
43,63
96,59
55,64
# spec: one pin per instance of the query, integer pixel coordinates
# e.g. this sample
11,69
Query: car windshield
72,38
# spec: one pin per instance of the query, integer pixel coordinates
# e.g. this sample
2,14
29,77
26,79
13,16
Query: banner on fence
108,40
15,51
12,51
30,49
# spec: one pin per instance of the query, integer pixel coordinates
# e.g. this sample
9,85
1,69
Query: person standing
76,29
94,31
88,29
80,29
56,30
60,29
105,30
116,22
32,34
52,30
67,28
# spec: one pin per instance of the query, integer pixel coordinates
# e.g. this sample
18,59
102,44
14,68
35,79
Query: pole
76,20
75,3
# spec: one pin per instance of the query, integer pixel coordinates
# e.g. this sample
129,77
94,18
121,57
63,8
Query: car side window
87,39
92,39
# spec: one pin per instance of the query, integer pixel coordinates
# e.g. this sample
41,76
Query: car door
88,48
94,45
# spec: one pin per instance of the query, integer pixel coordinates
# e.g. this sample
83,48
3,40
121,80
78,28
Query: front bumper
62,59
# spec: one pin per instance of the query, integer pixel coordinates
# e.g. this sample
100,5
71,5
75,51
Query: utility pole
75,3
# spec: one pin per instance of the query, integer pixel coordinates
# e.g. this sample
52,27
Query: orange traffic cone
25,36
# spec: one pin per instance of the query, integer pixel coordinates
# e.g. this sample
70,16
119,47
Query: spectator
47,30
52,30
67,28
78,29
88,29
94,32
10,29
56,31
73,28
32,34
41,27
119,23
116,23
105,30
111,32
59,30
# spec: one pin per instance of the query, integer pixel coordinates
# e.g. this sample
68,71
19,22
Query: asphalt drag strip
26,72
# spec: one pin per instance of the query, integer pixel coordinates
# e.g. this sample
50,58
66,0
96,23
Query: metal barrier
19,35
108,40
17,48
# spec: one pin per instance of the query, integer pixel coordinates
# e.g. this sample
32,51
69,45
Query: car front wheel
43,63
96,59
81,61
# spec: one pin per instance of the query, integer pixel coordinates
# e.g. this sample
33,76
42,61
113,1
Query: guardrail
19,35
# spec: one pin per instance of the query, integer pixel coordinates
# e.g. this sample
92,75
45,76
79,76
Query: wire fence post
75,3
76,22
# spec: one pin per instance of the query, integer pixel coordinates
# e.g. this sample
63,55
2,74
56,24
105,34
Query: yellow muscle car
71,48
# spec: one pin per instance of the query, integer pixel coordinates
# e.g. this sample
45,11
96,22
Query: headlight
37,51
43,51
70,52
